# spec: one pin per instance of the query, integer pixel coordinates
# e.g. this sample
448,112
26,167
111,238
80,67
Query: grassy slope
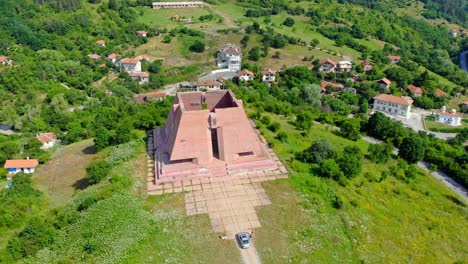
391,221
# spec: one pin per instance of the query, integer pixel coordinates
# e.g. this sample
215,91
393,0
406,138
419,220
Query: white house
344,66
101,43
268,75
229,56
15,166
208,85
113,58
48,140
142,77
245,75
393,105
130,65
187,4
451,118
142,33
327,66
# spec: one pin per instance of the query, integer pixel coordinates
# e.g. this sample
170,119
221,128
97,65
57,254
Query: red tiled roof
385,80
142,32
245,72
113,56
329,61
415,90
393,99
140,74
3,59
26,163
46,137
268,70
142,57
450,114
394,57
440,93
100,42
231,49
141,98
465,103
208,83
94,56
325,84
365,63
129,61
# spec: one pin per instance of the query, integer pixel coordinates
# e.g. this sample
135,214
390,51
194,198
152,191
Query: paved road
442,177
463,61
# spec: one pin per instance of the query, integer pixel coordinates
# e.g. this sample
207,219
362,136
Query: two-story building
384,83
47,139
344,66
414,90
245,75
130,65
141,77
113,58
268,75
229,56
393,105
327,66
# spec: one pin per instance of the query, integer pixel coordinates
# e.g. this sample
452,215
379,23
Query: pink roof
328,61
415,90
394,57
3,58
142,33
393,99
245,72
19,164
100,42
385,80
140,74
450,114
440,93
46,137
113,56
94,56
129,61
268,71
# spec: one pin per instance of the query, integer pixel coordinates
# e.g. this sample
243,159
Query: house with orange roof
451,118
24,165
268,75
393,105
130,65
394,58
6,61
327,85
327,66
48,140
141,77
142,57
367,66
101,43
142,33
208,85
245,75
94,56
384,83
414,90
113,57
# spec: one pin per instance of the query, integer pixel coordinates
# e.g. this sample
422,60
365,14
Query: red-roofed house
141,34
101,43
48,140
26,166
327,66
393,105
394,58
94,56
130,65
440,93
326,85
414,90
142,57
268,75
367,66
142,77
245,75
113,57
208,85
384,83
451,118
5,61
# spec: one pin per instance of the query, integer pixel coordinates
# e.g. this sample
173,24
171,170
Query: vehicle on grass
243,239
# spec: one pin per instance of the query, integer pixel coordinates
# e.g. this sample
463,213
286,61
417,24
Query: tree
97,171
412,149
380,153
319,151
330,169
304,120
314,43
275,126
197,46
102,139
312,93
155,67
282,136
289,22
245,40
254,54
167,38
123,134
351,129
351,161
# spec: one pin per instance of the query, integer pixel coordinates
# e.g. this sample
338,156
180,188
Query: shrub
350,129
282,136
121,153
275,126
412,149
97,171
351,161
198,46
289,22
380,153
330,169
319,151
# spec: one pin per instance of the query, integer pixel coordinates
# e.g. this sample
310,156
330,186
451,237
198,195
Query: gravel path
250,255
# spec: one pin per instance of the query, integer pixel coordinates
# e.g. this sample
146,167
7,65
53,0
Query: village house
24,165
414,90
367,66
327,66
268,75
113,58
109,92
451,118
94,56
245,75
160,5
142,34
6,61
101,43
208,85
130,65
393,105
147,97
394,58
384,83
141,77
230,57
464,106
47,139
142,57
329,86
440,93
453,32
344,66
